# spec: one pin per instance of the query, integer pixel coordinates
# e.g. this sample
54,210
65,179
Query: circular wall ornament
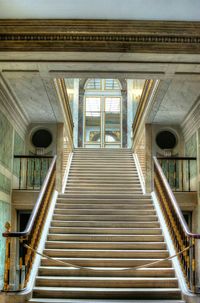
166,140
41,138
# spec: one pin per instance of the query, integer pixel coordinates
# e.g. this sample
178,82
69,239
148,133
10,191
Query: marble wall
10,143
18,150
4,216
191,151
6,134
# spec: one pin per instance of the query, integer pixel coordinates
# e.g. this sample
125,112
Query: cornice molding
191,122
100,36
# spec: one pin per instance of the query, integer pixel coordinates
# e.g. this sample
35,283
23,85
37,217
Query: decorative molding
100,36
192,122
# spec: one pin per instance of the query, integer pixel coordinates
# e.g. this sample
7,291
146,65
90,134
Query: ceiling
174,99
36,96
105,9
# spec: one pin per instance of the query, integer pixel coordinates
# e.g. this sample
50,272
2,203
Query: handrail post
7,260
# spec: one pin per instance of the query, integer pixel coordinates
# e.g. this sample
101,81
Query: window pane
94,84
112,127
92,127
112,104
112,84
92,104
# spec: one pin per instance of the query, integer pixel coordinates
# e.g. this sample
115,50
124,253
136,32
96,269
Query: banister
174,202
176,158
33,157
34,213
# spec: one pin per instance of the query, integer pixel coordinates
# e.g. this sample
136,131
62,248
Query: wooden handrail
174,202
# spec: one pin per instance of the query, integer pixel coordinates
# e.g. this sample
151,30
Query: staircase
104,223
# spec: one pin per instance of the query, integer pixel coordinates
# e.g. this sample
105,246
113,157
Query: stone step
103,182
104,206
106,253
104,190
99,211
101,237
102,195
133,200
48,300
109,173
107,282
108,262
134,218
154,225
105,272
107,293
56,244
101,164
107,224
97,186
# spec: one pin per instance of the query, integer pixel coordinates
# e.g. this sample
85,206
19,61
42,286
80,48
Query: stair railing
180,233
178,171
31,170
30,236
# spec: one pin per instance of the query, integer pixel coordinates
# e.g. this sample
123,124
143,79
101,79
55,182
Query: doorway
103,116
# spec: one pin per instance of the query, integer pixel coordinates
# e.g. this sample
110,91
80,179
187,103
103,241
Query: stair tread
48,300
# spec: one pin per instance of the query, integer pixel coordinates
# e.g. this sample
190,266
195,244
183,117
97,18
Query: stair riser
105,253
147,218
105,206
65,272
153,283
108,224
134,199
104,238
108,262
101,195
102,245
89,294
104,212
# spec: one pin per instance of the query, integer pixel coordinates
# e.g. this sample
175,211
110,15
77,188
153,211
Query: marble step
133,206
48,300
108,224
107,282
56,244
105,272
106,253
80,236
98,211
141,199
108,262
106,217
107,293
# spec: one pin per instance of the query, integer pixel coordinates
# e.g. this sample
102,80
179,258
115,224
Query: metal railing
31,170
180,233
29,236
179,172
